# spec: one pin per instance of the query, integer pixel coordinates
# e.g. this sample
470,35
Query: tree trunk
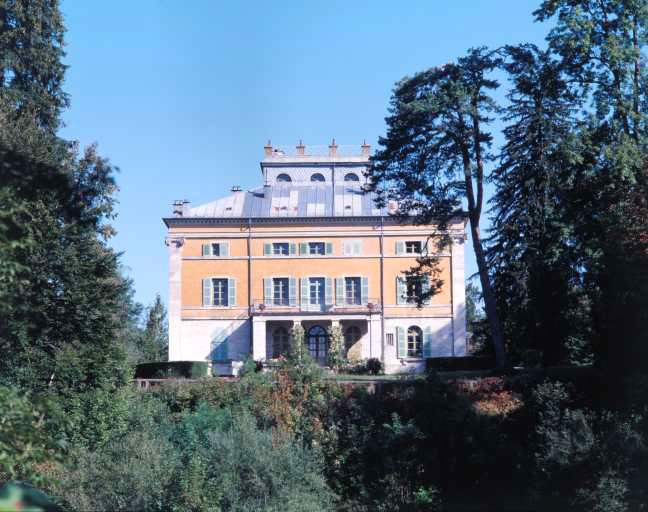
489,297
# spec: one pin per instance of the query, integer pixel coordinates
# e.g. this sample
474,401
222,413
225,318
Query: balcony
260,308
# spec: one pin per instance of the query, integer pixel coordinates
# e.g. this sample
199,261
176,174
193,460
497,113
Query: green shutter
292,291
292,249
347,249
267,249
427,342
400,247
208,291
219,349
206,249
304,292
364,290
328,295
339,291
425,287
224,249
267,291
401,290
329,248
303,248
401,345
231,292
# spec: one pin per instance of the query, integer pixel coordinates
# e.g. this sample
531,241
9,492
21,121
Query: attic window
347,207
317,177
284,178
351,177
228,209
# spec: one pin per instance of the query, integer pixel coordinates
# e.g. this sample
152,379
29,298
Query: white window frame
274,290
352,247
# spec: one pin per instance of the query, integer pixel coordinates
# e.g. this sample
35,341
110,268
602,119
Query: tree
155,338
531,248
434,154
32,69
600,47
62,304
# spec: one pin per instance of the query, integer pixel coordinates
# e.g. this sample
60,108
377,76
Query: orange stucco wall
195,267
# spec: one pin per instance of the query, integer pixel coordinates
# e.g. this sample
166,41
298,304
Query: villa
309,246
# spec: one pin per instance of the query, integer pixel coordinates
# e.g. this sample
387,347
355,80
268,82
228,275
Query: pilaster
175,296
458,296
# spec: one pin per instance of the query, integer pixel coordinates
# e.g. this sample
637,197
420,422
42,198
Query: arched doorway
351,337
317,342
280,342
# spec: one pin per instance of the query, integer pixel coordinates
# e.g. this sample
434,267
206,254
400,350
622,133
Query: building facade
310,246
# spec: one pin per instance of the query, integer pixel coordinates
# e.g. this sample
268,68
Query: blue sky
181,96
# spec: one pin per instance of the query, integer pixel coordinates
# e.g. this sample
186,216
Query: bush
172,369
25,445
374,366
456,364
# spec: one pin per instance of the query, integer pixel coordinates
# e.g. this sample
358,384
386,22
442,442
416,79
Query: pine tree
531,249
155,338
435,151
31,70
600,46
63,302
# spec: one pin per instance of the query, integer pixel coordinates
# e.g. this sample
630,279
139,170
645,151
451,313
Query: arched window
414,341
284,178
280,342
351,177
317,177
351,337
317,341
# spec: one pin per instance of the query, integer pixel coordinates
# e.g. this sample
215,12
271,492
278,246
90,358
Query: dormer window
317,177
351,176
284,178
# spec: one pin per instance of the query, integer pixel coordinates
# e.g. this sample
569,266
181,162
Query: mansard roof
293,199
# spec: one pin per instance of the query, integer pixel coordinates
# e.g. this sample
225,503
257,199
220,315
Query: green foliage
335,347
25,445
154,343
435,152
172,369
297,343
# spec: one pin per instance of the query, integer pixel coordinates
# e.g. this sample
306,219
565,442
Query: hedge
171,369
458,364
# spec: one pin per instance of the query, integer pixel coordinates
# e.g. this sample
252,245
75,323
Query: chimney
300,148
267,149
365,148
180,208
333,148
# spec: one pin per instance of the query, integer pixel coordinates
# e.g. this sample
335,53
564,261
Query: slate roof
293,199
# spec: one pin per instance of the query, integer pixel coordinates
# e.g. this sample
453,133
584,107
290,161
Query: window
316,291
390,339
317,177
414,289
280,342
220,293
284,178
280,291
351,337
316,248
413,247
218,249
351,177
352,290
281,248
317,341
352,247
414,341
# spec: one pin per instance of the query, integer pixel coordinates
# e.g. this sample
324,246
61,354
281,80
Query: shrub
374,366
172,369
336,347
454,364
25,445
